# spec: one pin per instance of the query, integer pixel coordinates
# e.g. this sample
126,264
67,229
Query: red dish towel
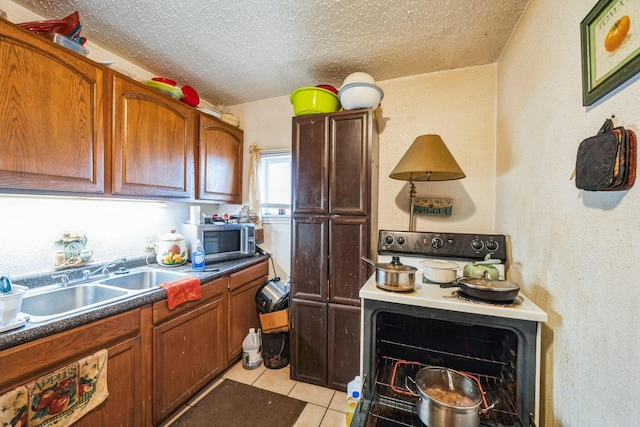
182,290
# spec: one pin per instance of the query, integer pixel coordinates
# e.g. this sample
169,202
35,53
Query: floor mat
235,404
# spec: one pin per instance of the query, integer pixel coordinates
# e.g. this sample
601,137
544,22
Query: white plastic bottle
197,257
251,357
354,391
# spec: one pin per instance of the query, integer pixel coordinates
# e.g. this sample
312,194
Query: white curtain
254,182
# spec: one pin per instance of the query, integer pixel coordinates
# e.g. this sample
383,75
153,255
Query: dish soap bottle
197,257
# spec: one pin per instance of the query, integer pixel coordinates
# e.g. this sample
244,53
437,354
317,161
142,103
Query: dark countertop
33,331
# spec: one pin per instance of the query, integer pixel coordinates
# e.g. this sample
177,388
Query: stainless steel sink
60,302
144,279
45,306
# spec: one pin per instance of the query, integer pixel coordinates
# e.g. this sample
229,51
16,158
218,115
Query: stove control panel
445,245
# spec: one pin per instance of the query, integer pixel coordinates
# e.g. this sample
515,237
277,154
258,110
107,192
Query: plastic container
354,391
313,100
251,357
11,304
355,96
68,43
197,257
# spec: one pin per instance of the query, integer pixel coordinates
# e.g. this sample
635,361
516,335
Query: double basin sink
74,298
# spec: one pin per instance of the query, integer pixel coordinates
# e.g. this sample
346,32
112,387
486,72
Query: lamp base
412,195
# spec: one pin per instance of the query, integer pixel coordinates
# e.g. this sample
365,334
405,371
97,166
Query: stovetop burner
509,304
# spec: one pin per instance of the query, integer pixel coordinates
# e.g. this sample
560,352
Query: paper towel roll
194,217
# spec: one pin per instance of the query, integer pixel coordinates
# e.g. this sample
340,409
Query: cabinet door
124,406
343,346
220,161
51,117
188,352
308,341
243,314
310,167
153,142
309,263
348,242
349,166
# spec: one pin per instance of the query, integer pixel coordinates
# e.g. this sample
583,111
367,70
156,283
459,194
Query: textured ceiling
233,52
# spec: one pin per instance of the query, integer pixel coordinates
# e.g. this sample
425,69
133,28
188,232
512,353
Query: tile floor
325,407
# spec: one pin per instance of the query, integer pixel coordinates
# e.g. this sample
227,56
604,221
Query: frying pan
485,288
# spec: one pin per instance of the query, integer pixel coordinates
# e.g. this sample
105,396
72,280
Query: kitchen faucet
64,279
103,270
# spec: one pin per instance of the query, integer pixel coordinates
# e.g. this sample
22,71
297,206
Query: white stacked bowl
354,96
359,90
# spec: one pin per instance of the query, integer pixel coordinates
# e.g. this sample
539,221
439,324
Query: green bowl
314,100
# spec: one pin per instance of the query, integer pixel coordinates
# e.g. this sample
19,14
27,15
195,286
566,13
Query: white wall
574,252
267,124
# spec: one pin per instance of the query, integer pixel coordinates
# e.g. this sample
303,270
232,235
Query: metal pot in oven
447,398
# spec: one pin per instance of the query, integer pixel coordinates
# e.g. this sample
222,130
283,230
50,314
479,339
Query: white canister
439,270
172,250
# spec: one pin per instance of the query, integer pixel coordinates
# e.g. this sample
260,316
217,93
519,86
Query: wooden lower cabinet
343,347
308,332
123,381
189,348
120,335
325,343
243,313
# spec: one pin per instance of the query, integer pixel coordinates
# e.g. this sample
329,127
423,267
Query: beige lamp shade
428,159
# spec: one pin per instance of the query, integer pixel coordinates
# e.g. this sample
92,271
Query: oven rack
484,358
390,407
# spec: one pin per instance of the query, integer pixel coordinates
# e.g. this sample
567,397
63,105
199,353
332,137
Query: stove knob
388,240
492,245
401,240
477,244
437,242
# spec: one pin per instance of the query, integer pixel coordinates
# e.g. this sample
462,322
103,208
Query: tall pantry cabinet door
350,172
51,116
309,265
348,242
153,142
310,171
344,345
308,332
220,165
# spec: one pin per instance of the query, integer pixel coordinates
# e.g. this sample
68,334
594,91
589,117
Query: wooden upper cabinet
51,117
220,161
153,139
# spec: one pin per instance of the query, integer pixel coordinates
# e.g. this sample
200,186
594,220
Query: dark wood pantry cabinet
334,224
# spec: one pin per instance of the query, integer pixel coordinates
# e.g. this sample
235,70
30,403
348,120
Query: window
275,183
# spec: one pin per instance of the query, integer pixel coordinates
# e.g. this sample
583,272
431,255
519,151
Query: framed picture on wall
610,36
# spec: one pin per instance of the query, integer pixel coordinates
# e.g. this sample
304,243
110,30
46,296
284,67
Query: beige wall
459,105
574,252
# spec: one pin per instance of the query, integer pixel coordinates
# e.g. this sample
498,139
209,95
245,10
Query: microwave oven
222,242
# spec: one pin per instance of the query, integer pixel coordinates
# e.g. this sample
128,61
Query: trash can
275,350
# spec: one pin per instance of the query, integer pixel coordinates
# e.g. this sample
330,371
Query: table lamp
428,159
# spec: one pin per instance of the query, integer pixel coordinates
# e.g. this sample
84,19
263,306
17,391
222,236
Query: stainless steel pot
394,276
447,398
